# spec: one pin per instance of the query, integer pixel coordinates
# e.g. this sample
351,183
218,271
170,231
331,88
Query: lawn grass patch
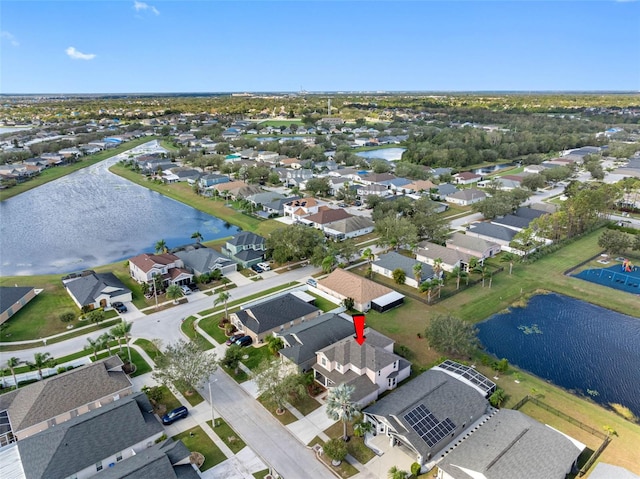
343,470
148,347
261,474
194,398
188,328
256,356
210,325
286,418
197,440
355,446
305,404
142,367
323,303
168,399
239,378
227,435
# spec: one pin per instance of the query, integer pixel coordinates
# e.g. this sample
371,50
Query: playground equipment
627,266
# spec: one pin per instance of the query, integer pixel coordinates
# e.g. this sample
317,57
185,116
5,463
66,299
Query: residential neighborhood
231,349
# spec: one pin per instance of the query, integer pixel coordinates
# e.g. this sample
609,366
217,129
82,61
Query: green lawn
188,329
197,440
286,418
355,446
142,367
51,174
168,399
148,347
261,474
323,303
228,435
256,356
277,123
344,470
306,404
194,398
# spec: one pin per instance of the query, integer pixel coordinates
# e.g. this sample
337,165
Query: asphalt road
263,433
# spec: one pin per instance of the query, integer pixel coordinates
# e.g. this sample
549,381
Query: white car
185,290
265,266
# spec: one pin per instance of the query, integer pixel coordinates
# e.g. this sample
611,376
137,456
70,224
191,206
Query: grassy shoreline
51,174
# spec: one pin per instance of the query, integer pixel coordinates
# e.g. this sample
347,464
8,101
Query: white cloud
76,55
10,38
139,6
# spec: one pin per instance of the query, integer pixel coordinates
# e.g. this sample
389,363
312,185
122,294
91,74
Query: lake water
492,169
90,218
389,154
573,344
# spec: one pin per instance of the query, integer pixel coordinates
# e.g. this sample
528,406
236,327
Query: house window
98,466
395,365
339,367
119,457
323,361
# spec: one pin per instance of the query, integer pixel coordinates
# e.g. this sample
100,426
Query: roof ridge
506,448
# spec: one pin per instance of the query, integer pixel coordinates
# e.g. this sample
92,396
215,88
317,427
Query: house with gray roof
350,227
87,444
13,299
444,190
92,290
430,252
371,368
466,197
245,248
302,341
54,400
166,460
274,315
492,232
264,197
516,223
608,471
510,445
476,247
387,263
276,207
200,259
427,413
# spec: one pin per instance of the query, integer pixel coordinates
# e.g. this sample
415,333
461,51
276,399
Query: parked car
265,266
185,289
172,416
233,338
119,307
244,341
312,282
257,268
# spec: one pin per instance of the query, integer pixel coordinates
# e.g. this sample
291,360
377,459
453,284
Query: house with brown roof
371,368
376,178
466,178
237,189
324,216
365,293
144,267
299,208
44,404
420,185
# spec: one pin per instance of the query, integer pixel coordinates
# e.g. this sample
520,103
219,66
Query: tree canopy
451,335
184,364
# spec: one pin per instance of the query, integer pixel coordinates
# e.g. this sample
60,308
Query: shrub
67,316
415,469
335,449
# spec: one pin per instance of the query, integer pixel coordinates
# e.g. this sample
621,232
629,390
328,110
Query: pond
90,218
584,348
492,169
389,154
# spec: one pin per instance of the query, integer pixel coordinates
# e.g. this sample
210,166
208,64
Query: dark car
244,341
257,268
119,307
172,416
233,338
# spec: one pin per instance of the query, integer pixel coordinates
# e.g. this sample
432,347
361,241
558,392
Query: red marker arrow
358,325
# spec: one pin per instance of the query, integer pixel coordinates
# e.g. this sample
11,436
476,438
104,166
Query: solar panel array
469,374
427,426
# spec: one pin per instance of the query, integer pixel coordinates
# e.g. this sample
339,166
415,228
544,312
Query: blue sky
206,46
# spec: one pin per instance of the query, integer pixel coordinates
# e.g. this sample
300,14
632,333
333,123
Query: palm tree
327,263
425,287
197,236
12,364
457,272
121,331
223,297
437,270
340,407
274,344
510,258
161,246
417,271
94,345
174,292
368,255
40,361
396,473
105,339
